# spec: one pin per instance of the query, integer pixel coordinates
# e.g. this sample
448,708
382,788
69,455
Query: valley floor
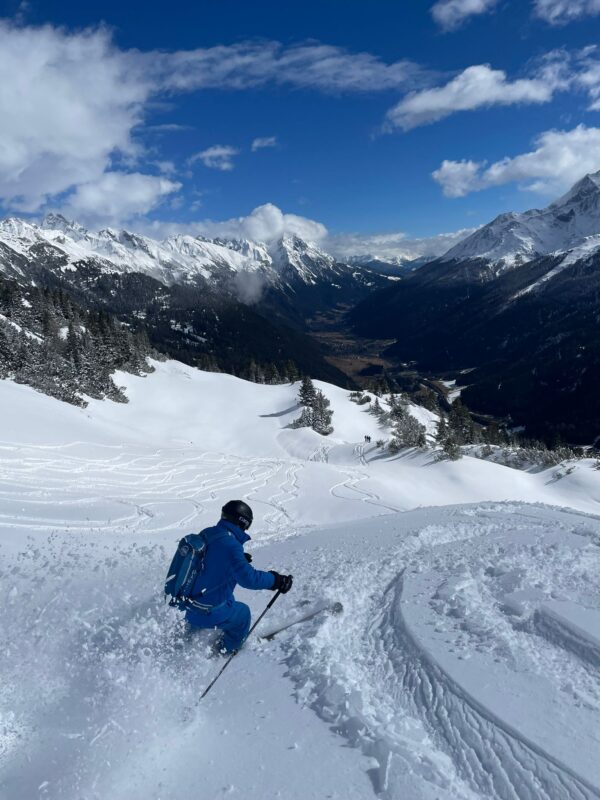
465,663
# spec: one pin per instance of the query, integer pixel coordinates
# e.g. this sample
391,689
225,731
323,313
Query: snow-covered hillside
465,663
512,239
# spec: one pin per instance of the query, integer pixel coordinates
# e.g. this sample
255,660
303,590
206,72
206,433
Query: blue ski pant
235,628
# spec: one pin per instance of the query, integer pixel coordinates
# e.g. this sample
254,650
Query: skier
225,566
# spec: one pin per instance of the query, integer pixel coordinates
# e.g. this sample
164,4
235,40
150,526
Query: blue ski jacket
225,566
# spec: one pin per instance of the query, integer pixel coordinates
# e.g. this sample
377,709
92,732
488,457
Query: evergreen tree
305,420
461,423
446,439
322,414
252,372
451,448
307,392
82,362
291,371
442,429
72,350
376,408
272,375
407,432
397,408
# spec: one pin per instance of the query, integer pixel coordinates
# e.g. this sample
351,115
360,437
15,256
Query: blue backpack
187,564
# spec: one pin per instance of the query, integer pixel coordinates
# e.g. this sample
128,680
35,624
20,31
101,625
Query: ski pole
232,656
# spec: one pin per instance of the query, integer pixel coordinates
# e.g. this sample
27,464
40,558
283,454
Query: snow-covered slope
464,664
512,239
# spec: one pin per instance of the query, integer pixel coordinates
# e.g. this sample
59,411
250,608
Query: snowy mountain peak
179,259
296,250
14,228
258,251
57,222
583,196
512,238
292,256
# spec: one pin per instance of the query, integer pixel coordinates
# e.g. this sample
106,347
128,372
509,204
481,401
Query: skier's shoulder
223,534
216,534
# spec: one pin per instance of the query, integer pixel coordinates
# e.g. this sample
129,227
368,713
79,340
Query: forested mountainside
221,306
522,331
53,344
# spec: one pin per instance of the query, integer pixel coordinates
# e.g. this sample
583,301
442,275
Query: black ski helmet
239,513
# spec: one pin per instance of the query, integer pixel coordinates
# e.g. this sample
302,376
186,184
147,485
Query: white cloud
268,223
71,103
263,141
392,246
264,224
588,75
68,105
252,64
451,14
219,156
458,178
560,12
477,87
118,196
559,159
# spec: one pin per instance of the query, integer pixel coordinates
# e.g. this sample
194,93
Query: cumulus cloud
265,223
268,223
458,178
478,87
219,156
560,12
263,141
68,104
72,103
118,196
451,14
559,159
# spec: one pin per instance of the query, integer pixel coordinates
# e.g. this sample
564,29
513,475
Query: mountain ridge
238,306
525,329
512,238
179,258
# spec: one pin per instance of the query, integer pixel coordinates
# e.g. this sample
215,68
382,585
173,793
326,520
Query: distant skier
225,566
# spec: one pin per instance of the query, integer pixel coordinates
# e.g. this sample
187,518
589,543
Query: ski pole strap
233,655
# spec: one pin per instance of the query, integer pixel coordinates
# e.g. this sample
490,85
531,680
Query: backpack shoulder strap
210,537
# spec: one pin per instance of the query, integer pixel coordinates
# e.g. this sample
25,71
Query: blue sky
367,118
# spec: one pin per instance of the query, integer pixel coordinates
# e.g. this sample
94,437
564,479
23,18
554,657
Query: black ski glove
283,583
248,557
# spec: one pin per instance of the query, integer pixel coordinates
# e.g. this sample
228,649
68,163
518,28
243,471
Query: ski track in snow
374,679
350,483
379,683
465,666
